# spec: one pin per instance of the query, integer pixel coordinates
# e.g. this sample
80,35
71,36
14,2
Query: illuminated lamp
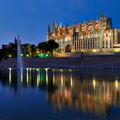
116,50
27,55
94,50
21,54
41,55
46,55
9,55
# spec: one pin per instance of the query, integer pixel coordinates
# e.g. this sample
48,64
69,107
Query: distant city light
9,55
27,55
46,55
41,55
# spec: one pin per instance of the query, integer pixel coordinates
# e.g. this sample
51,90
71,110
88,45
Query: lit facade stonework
98,35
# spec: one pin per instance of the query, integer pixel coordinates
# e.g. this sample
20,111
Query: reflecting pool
38,93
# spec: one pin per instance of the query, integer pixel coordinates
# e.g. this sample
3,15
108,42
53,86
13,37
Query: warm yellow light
37,69
116,50
81,50
94,83
27,55
94,50
21,54
9,55
116,84
10,68
103,83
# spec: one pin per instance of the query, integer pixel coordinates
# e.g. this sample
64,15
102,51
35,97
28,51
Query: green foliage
42,46
48,46
52,45
12,50
33,48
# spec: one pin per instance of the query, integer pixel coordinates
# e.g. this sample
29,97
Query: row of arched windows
89,44
82,36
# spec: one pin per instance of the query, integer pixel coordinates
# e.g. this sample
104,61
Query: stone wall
52,61
91,60
68,54
100,60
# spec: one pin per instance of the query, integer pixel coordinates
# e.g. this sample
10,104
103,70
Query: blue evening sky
30,18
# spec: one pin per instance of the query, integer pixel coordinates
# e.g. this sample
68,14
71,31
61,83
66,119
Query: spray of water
19,58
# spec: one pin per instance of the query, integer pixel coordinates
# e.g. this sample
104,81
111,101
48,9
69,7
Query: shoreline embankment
79,62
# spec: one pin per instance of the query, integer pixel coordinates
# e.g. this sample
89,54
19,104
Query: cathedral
93,36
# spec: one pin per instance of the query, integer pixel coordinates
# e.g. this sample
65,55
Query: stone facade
97,35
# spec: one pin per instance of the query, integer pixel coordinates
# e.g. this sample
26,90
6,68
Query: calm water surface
59,94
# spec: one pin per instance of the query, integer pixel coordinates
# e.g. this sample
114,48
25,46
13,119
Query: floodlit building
93,36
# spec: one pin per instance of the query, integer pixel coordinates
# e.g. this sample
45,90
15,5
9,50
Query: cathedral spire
48,30
105,17
101,16
54,24
97,18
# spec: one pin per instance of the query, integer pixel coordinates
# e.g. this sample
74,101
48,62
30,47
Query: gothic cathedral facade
96,35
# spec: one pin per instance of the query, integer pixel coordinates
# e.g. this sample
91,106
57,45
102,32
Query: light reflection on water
81,94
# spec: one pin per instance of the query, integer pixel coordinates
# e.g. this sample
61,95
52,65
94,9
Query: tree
24,49
52,45
13,50
33,48
4,51
43,46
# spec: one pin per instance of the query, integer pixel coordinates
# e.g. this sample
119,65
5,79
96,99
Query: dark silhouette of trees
52,45
48,46
13,50
25,50
43,46
33,48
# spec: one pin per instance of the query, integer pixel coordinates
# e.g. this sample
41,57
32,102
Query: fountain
19,58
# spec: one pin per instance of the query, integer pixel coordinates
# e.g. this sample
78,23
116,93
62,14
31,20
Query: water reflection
87,91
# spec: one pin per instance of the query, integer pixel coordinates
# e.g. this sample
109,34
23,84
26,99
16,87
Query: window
106,44
118,37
